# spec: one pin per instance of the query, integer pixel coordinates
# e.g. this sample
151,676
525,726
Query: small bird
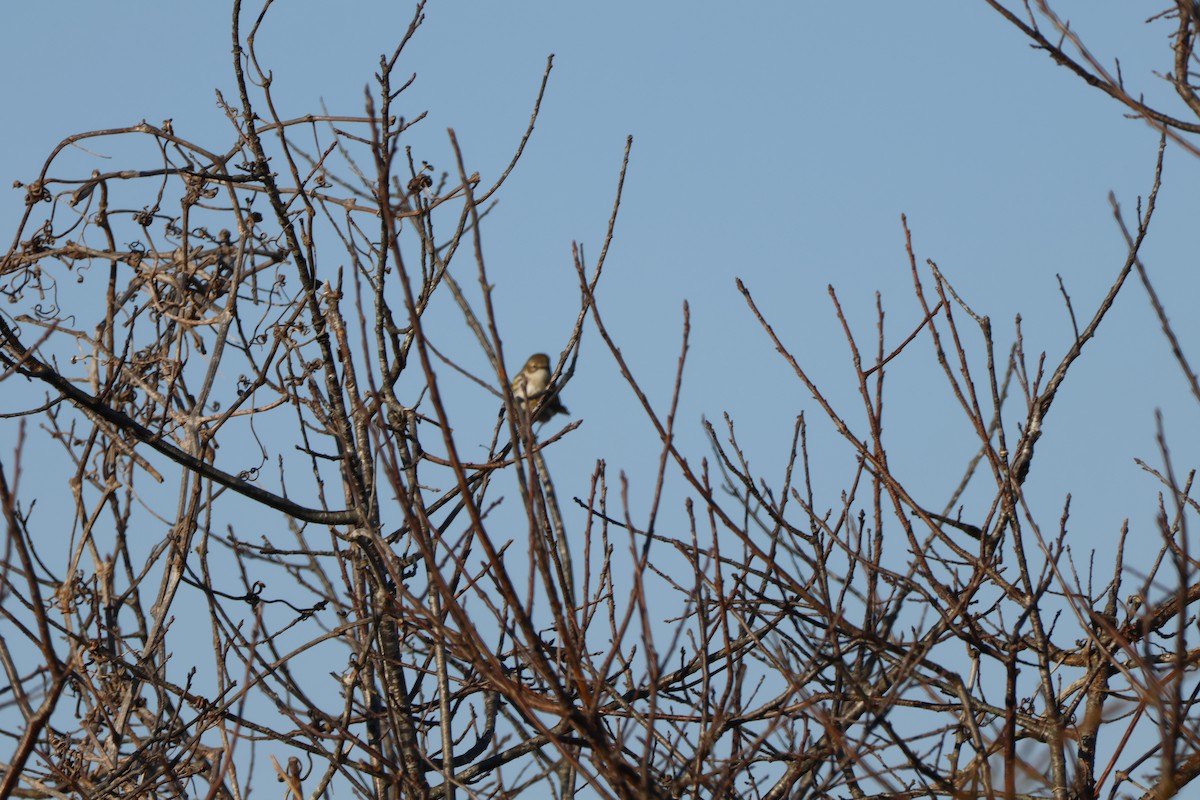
531,387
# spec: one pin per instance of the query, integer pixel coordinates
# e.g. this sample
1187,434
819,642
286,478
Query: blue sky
780,143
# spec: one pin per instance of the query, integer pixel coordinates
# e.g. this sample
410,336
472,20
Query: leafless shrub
195,322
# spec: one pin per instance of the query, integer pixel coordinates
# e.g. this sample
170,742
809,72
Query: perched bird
531,387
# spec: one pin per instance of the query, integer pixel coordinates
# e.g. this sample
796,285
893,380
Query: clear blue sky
780,143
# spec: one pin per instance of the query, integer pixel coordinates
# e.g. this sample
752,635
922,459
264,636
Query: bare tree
252,324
